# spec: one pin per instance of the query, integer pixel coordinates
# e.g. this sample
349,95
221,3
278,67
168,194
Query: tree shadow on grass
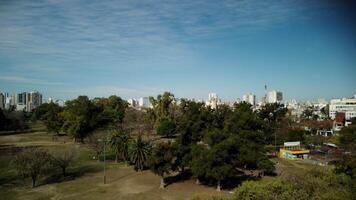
72,174
186,175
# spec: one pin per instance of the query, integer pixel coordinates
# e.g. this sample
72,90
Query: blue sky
65,48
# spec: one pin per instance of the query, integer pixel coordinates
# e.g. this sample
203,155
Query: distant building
144,102
274,97
33,100
20,98
293,151
133,103
344,105
249,98
213,100
2,101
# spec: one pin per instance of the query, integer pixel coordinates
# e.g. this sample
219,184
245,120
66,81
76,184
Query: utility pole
104,161
101,140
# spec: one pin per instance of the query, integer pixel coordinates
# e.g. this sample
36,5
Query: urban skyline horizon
190,48
204,98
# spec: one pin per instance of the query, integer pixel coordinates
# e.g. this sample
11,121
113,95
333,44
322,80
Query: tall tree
113,110
166,128
53,118
161,108
139,152
120,141
81,117
162,160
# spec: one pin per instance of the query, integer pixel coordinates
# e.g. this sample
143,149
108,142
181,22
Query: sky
66,48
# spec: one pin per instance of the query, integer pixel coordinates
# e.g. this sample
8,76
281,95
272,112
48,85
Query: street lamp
101,140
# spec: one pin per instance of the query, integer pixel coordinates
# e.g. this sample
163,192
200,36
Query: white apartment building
213,100
274,96
133,103
249,98
348,106
144,102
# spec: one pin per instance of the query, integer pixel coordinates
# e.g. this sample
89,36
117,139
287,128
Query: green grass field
85,176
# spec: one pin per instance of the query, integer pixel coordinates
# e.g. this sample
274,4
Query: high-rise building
20,98
33,100
144,102
344,105
213,100
2,101
133,103
274,97
249,98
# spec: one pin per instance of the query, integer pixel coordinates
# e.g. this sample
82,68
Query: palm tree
139,152
120,141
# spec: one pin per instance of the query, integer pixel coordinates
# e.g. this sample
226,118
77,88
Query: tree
269,189
95,142
63,158
113,110
32,163
81,117
139,152
161,108
347,140
166,128
120,141
161,160
53,118
307,113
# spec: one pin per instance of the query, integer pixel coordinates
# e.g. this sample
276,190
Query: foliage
53,118
139,151
32,163
120,141
166,128
96,143
269,189
81,117
318,183
161,160
113,110
12,120
162,108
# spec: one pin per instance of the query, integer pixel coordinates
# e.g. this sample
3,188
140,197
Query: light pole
101,140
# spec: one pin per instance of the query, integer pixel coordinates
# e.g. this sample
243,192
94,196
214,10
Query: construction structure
293,151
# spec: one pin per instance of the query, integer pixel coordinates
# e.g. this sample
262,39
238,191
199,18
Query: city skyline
70,48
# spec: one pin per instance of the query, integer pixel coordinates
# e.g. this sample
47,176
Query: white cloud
25,80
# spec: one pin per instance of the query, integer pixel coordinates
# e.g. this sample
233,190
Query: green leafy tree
81,117
120,141
161,109
269,189
161,160
139,152
53,118
166,128
199,163
113,110
32,163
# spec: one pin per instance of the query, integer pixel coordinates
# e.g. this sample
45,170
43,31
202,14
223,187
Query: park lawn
85,176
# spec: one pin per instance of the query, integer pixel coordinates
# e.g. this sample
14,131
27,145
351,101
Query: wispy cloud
24,80
135,33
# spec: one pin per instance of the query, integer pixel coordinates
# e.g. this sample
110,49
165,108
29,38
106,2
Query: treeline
81,116
12,120
211,144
